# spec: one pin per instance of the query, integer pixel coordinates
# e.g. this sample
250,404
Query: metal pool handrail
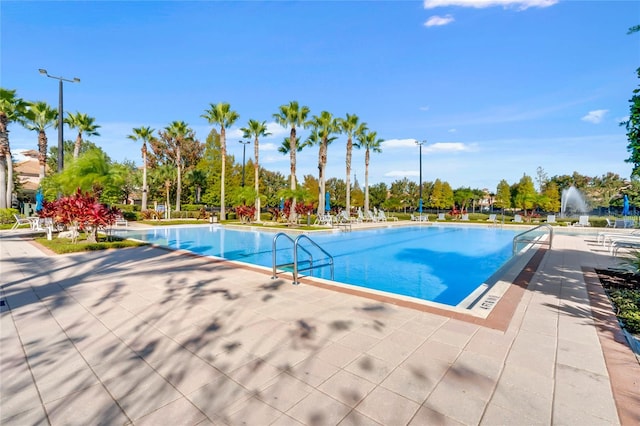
296,244
519,237
274,249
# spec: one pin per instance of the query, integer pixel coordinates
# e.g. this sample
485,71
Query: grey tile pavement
149,337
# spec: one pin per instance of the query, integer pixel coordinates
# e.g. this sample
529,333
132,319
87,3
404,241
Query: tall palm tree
324,126
84,124
145,134
12,109
39,117
222,115
176,133
292,115
255,130
370,142
352,127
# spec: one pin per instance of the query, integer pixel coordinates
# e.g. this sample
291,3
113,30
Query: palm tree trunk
348,180
9,195
3,181
144,178
256,173
223,151
366,181
179,183
5,163
292,157
76,147
42,152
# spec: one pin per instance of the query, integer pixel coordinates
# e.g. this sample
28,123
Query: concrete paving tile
496,415
86,407
415,382
355,418
285,420
581,356
232,358
491,343
255,374
581,388
313,371
396,347
143,394
370,368
284,391
215,398
178,412
34,416
318,408
253,411
347,388
358,341
534,351
18,396
540,322
565,415
451,337
429,416
445,399
67,382
387,407
190,375
433,349
338,354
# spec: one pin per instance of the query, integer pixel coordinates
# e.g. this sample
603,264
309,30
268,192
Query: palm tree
165,174
222,115
12,109
176,132
84,124
324,126
255,130
370,142
292,115
351,126
144,134
40,116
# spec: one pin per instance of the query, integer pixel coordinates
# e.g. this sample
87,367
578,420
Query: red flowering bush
245,213
80,212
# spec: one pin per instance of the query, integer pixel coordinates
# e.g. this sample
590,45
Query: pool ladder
295,264
527,238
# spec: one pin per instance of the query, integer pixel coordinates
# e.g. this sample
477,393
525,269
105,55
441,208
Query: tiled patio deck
149,337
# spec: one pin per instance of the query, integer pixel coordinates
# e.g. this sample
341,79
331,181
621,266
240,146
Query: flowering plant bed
623,290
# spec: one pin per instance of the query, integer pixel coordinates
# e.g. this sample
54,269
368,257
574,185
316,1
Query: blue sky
497,88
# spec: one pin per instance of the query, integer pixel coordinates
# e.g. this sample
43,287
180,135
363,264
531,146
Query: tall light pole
244,150
60,116
420,202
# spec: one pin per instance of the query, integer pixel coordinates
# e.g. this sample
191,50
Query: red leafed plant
80,212
245,213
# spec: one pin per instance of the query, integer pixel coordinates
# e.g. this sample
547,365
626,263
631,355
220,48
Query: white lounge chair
465,217
121,221
492,218
21,221
517,218
441,216
582,221
551,218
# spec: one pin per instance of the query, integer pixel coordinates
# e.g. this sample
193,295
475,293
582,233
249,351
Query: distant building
28,172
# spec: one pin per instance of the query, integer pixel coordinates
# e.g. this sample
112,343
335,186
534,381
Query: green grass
64,245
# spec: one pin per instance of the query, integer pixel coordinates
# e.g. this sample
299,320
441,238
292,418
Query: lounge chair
582,221
517,219
465,217
492,218
21,221
383,217
441,216
610,223
121,221
551,218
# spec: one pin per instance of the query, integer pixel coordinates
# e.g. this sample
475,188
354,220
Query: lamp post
420,201
244,150
60,116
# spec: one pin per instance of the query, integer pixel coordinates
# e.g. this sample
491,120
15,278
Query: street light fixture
420,202
60,116
244,150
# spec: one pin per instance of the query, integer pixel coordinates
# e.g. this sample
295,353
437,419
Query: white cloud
595,116
453,130
520,4
438,21
424,108
438,147
268,146
401,173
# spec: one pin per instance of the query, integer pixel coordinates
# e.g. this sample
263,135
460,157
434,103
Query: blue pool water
442,264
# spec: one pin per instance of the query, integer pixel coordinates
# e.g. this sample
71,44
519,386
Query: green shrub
266,216
127,207
6,215
627,303
130,215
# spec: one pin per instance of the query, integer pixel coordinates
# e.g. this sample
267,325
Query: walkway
149,337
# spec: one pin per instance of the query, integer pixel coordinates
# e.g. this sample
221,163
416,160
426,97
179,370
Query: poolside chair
21,221
517,219
610,223
465,217
582,221
441,216
381,216
121,221
492,218
551,218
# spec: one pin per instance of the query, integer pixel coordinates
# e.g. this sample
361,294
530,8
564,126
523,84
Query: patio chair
551,218
517,219
582,221
120,220
441,216
465,217
21,221
492,218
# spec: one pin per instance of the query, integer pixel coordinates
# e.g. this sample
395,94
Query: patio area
147,336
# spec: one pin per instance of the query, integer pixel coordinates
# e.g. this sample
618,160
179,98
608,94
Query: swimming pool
442,264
